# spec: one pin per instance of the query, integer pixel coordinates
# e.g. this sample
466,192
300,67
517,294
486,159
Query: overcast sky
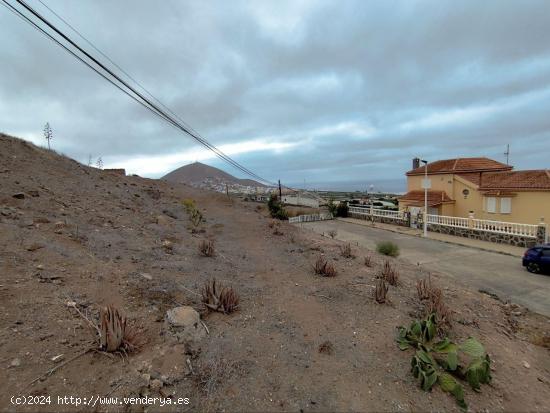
315,90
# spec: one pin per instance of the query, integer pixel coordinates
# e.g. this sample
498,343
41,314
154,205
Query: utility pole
507,153
426,184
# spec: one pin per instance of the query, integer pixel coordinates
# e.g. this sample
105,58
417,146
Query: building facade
480,186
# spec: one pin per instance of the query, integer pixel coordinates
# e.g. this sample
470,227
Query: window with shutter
505,205
492,204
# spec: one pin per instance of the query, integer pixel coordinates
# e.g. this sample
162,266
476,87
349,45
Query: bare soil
299,342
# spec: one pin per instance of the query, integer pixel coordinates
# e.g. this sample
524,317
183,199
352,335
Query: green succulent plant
444,362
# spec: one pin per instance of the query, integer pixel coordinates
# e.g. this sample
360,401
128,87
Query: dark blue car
537,259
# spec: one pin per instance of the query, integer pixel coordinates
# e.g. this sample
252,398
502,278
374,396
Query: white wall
300,201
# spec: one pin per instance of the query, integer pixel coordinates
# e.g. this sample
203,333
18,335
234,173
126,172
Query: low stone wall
497,237
384,220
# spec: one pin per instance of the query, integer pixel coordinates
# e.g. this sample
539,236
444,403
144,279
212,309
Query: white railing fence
526,230
376,212
512,228
448,221
309,218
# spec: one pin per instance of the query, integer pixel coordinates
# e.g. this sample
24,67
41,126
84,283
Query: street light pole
425,198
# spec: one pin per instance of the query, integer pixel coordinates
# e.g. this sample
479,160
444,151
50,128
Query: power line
142,99
129,76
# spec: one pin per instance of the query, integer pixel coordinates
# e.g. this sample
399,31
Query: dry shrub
390,274
218,298
381,291
326,347
214,373
424,288
115,332
272,223
324,268
433,301
368,261
206,248
346,251
332,233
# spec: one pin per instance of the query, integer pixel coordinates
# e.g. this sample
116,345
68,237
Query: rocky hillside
74,239
198,173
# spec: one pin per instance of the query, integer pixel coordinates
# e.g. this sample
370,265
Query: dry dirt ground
91,237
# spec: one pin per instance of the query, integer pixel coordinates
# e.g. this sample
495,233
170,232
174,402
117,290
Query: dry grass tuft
432,299
381,291
324,268
424,288
206,248
332,233
218,298
390,274
276,226
115,332
214,373
326,347
368,261
346,251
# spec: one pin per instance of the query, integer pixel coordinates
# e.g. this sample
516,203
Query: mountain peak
198,173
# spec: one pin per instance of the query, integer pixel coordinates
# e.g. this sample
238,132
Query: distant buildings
219,185
480,186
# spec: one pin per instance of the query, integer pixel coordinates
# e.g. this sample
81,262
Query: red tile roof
474,177
538,180
461,165
416,198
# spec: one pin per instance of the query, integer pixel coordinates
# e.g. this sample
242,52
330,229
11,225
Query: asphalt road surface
491,271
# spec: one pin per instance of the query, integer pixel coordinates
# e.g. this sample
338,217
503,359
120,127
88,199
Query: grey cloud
238,71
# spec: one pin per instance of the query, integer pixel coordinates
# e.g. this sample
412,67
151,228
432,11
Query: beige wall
441,182
466,203
527,208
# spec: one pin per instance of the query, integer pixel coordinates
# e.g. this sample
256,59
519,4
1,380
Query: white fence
376,212
512,228
526,230
448,221
310,218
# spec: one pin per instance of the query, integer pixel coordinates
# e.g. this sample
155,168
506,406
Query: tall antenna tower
507,153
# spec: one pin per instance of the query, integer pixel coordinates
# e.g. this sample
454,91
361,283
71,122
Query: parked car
537,259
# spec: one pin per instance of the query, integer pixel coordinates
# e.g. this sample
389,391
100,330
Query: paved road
498,273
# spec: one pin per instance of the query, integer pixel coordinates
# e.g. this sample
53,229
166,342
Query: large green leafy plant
444,362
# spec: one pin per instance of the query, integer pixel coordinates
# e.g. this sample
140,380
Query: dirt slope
80,234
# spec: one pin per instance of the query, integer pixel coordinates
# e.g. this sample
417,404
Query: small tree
48,134
332,207
276,209
342,209
99,163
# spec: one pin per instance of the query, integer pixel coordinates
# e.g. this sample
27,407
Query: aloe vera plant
444,362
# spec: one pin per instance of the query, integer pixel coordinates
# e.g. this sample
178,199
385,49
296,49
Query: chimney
416,163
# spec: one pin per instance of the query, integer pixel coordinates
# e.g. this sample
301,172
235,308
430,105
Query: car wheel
533,267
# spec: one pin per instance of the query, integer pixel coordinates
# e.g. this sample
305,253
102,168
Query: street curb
433,239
